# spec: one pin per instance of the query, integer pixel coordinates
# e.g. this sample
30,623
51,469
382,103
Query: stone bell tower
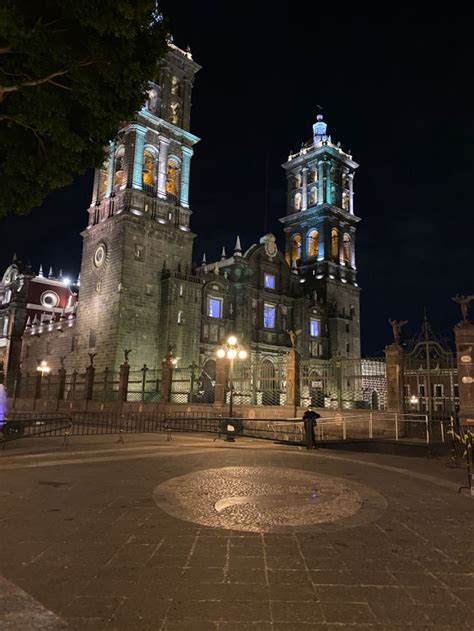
320,228
139,224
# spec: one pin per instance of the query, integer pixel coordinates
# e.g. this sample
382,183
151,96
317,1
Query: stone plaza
202,534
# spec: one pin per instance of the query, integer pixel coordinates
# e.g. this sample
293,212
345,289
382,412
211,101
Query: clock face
100,254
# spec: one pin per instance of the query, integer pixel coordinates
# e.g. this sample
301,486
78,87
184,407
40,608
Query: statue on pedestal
463,302
396,329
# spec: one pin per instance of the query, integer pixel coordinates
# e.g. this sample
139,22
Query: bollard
121,432
66,438
344,428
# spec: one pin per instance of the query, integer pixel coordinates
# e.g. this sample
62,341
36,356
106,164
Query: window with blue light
214,307
314,327
269,281
269,315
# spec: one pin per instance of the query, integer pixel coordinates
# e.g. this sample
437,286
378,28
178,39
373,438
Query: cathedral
139,289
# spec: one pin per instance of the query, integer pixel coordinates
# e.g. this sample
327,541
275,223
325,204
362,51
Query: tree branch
29,128
4,90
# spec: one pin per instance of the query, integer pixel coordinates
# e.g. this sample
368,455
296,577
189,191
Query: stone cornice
176,131
318,152
322,211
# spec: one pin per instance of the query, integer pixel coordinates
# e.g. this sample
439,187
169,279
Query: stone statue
293,335
396,328
463,302
91,357
126,352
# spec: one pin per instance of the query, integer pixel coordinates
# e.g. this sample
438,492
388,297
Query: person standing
310,418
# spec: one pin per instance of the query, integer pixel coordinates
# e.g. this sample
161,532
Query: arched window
313,196
296,247
152,102
345,200
297,201
175,111
347,247
174,85
172,177
119,178
313,243
148,168
334,243
103,178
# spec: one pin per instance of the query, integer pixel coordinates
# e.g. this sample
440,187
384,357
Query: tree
71,73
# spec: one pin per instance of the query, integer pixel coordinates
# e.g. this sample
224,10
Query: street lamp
232,350
43,368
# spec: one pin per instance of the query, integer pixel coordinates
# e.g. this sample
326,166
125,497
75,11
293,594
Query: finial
50,273
40,272
78,281
60,277
204,260
28,322
14,257
223,254
237,247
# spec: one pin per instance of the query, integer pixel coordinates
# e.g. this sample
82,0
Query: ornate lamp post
232,350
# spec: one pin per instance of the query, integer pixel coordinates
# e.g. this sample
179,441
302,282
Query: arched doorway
268,384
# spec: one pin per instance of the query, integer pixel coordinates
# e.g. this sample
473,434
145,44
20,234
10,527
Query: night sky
395,91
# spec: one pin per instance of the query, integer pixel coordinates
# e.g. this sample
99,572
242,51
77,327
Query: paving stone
296,611
348,613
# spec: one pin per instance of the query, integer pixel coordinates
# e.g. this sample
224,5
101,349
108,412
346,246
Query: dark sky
396,91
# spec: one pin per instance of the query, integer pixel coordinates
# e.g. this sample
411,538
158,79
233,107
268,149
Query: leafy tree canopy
71,72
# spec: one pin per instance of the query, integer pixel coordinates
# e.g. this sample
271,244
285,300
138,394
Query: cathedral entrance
316,391
268,385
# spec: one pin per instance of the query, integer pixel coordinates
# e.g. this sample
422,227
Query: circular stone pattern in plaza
268,499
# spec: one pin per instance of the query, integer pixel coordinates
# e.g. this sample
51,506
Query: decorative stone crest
271,249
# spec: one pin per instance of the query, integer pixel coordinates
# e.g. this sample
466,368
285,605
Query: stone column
321,241
187,153
464,332
166,381
292,378
137,175
350,178
89,383
162,167
328,182
219,388
304,190
394,361
321,182
123,381
353,249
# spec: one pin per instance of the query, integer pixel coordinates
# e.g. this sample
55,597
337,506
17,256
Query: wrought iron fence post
371,425
89,382
61,384
73,384
167,376
106,380
144,372
193,367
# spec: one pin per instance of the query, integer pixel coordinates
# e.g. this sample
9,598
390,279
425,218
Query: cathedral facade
140,290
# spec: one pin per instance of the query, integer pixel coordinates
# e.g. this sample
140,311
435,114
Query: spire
223,254
40,273
50,273
319,128
60,277
237,247
204,260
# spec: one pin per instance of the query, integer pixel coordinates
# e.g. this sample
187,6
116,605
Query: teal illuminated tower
320,228
139,225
